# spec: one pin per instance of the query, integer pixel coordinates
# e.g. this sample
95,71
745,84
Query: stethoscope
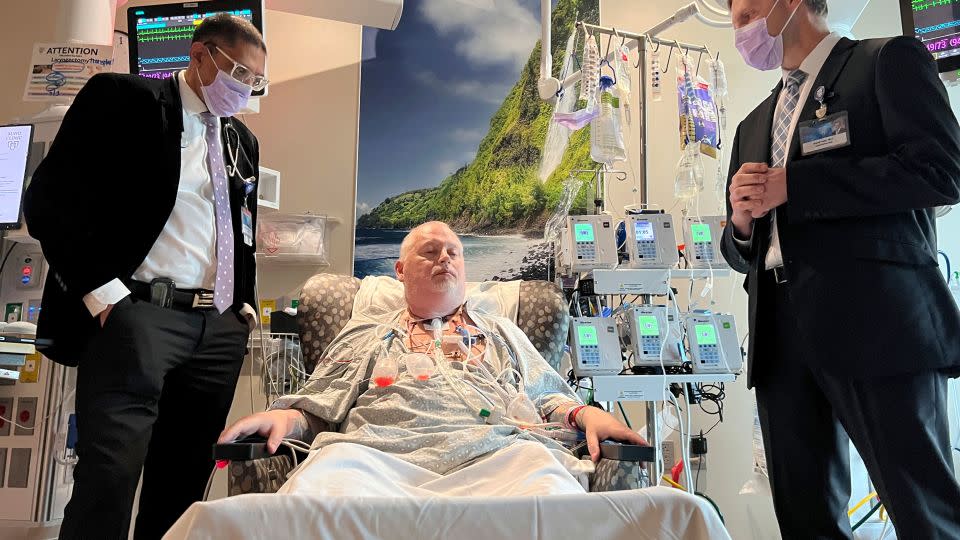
233,152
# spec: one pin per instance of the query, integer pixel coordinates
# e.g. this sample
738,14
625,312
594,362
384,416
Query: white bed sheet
347,491
647,514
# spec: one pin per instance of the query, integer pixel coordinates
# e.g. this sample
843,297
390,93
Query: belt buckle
779,275
203,300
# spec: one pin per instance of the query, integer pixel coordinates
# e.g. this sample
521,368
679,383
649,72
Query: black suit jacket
858,231
101,197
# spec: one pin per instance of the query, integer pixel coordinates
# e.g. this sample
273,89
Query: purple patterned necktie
223,290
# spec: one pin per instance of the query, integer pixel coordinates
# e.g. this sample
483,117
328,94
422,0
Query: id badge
246,225
830,133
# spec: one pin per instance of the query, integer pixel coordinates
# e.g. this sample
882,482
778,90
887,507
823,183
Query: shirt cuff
109,294
743,244
251,316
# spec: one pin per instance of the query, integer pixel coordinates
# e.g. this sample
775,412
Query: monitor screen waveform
937,25
164,40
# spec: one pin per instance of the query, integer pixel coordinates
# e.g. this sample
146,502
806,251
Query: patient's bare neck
426,313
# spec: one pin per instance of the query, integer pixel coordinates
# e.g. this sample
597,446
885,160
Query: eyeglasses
242,73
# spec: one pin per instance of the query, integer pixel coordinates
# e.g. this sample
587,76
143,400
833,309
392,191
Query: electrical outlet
669,449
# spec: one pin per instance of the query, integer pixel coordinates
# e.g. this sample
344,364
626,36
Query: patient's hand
274,425
600,425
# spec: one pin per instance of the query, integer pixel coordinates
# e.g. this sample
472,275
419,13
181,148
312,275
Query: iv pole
549,87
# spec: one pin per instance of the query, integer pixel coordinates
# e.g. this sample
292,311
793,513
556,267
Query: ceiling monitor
937,24
161,35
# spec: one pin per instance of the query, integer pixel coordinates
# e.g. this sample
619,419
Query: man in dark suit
151,284
852,329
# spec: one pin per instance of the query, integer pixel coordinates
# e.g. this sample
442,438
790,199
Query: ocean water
376,251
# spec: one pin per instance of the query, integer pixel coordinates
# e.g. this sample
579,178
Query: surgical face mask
225,96
759,49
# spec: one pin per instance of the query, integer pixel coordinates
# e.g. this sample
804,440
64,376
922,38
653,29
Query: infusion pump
651,242
655,336
589,243
595,346
713,341
702,236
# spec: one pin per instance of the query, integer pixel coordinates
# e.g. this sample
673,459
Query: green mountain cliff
499,190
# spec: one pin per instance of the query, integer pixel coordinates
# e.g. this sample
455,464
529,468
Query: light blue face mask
225,96
760,49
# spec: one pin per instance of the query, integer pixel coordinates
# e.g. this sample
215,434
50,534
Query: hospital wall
29,22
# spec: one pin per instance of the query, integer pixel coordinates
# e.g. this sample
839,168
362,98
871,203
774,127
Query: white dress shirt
186,249
811,65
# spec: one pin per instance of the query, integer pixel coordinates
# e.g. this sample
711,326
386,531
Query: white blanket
347,491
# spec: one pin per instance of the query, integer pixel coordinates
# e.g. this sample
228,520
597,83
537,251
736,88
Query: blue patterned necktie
223,289
781,130
779,147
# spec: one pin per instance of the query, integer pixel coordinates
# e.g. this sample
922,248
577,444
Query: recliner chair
326,305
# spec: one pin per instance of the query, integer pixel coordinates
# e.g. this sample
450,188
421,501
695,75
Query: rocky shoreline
534,266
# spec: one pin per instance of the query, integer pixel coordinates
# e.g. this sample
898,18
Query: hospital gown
426,423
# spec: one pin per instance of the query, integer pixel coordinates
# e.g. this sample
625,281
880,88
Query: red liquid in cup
383,381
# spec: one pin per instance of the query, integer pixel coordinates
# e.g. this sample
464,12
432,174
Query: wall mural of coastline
449,132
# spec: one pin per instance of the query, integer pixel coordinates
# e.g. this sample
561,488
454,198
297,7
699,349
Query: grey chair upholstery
326,305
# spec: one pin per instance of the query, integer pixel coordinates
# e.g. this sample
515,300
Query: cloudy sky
429,88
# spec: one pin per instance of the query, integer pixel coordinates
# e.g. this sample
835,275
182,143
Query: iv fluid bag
621,64
689,181
719,89
590,69
558,135
606,137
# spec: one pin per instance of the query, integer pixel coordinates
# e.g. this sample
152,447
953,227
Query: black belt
779,275
182,299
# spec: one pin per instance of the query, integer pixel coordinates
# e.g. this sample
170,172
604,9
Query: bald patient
428,428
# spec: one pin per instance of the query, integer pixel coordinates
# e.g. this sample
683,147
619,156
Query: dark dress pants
153,392
898,424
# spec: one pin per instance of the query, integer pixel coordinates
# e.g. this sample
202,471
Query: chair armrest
250,449
252,469
246,449
615,451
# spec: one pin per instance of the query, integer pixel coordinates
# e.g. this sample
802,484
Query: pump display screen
648,325
583,232
644,230
701,233
587,335
706,334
